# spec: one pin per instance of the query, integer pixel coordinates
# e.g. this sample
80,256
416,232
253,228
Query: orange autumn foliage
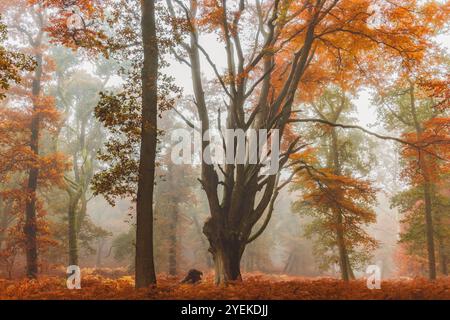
434,144
28,114
255,286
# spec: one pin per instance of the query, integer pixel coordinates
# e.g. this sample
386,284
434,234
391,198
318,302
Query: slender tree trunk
3,221
426,193
101,244
344,261
173,240
82,212
429,226
145,269
442,258
73,238
288,266
441,248
30,228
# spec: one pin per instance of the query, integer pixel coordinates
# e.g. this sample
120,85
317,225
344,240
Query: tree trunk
351,275
73,238
226,250
443,262
429,228
3,221
30,227
145,269
227,264
288,266
173,241
100,245
343,259
426,191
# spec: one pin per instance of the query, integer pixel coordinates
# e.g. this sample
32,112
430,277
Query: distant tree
124,247
39,116
81,136
410,107
340,202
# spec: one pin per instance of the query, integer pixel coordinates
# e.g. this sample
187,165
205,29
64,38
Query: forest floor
254,286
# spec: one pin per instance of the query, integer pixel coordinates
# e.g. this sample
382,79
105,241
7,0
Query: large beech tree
275,51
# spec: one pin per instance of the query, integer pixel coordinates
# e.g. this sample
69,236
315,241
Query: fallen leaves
255,286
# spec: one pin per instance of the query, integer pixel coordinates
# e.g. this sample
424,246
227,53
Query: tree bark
344,261
442,258
72,227
145,269
4,220
226,250
30,227
351,274
429,224
173,241
227,264
426,192
100,245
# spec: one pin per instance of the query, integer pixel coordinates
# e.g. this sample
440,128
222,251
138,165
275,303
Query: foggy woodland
91,92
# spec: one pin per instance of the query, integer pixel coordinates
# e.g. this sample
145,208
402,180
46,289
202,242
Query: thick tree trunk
226,250
145,269
227,261
30,227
